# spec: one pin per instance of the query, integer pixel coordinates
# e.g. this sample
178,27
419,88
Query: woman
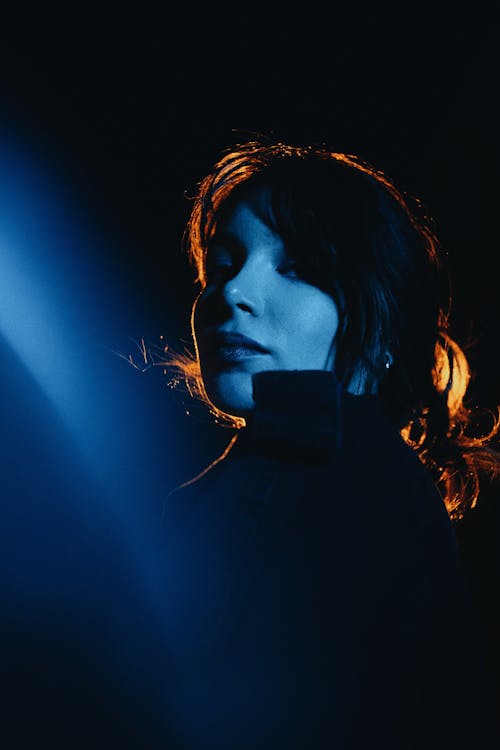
317,594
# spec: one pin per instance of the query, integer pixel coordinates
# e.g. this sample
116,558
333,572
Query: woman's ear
388,360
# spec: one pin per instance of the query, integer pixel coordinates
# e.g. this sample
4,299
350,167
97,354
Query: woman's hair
356,236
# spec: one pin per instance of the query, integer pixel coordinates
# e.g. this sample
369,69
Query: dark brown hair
361,239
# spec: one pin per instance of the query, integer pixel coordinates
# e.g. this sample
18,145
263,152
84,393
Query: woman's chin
233,398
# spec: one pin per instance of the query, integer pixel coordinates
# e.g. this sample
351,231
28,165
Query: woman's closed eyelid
221,258
288,266
219,262
218,259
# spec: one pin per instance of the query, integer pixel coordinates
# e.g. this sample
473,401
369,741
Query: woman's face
253,290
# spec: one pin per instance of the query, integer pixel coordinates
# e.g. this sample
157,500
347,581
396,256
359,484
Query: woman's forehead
245,227
255,197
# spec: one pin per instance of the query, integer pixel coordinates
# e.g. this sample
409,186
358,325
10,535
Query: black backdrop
127,113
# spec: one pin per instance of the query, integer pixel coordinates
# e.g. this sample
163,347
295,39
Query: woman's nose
245,289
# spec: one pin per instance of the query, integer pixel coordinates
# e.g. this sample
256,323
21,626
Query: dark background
125,114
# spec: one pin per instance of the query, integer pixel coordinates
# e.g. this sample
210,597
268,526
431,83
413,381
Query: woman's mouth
231,346
236,352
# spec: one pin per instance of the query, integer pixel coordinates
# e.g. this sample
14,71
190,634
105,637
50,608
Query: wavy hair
372,247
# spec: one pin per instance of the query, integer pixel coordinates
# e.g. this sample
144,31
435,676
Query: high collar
297,413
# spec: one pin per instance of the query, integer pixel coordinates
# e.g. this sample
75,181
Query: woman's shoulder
375,449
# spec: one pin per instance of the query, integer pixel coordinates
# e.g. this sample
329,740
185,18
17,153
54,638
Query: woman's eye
221,264
289,268
218,266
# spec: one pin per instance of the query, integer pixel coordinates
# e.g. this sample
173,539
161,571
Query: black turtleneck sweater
317,595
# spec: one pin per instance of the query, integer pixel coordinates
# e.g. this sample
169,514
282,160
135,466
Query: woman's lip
215,339
235,352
